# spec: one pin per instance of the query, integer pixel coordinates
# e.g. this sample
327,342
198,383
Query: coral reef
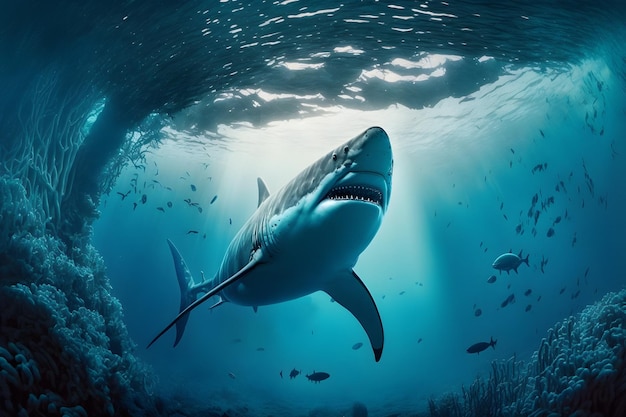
64,349
579,370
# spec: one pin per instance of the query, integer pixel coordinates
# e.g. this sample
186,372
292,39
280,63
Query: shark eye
346,149
334,156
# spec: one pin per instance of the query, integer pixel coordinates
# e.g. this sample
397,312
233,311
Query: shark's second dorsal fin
263,191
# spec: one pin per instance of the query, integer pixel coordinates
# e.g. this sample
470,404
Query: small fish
538,167
478,312
357,346
491,279
213,199
199,209
260,349
419,340
230,220
550,232
480,346
535,199
562,291
134,206
294,373
192,232
401,292
281,374
509,300
233,376
576,294
542,135
316,377
528,292
538,298
528,307
193,187
586,272
161,209
169,204
509,261
144,198
124,195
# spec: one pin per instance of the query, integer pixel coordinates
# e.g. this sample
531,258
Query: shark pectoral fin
350,292
263,191
183,315
185,283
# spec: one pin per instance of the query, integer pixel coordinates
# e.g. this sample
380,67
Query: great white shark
305,238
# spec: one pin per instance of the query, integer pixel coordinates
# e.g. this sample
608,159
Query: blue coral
64,349
579,370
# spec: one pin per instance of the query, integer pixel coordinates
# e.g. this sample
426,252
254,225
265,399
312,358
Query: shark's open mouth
356,193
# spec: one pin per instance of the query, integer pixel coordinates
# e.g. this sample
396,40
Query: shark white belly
306,238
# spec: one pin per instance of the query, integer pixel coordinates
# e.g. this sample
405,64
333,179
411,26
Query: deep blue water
487,108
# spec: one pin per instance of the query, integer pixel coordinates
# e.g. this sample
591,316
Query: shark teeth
356,193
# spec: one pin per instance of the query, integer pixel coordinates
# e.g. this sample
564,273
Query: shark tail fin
493,343
525,260
185,282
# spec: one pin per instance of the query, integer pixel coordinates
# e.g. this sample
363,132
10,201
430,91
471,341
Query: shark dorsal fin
263,192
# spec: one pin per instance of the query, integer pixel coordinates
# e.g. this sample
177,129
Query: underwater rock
359,410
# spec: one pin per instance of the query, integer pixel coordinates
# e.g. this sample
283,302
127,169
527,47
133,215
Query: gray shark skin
305,238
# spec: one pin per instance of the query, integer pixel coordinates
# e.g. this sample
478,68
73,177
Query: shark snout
374,156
